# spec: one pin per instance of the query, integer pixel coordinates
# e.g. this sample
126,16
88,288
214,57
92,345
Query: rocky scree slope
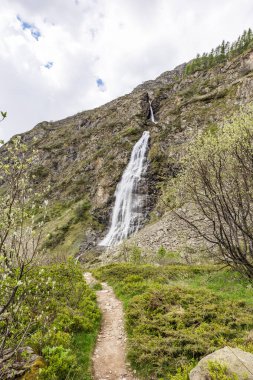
83,157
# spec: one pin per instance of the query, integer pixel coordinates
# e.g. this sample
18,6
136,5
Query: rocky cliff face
83,157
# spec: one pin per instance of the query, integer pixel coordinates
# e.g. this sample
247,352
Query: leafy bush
117,274
164,257
60,363
135,254
67,306
183,373
40,339
161,253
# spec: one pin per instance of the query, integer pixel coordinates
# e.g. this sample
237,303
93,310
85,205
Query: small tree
136,254
218,182
19,245
161,253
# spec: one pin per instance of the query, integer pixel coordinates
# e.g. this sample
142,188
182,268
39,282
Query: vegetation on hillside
221,53
217,180
177,314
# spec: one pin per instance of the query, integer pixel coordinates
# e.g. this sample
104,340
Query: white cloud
50,66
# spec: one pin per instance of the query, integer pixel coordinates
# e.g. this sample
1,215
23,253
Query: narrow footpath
109,357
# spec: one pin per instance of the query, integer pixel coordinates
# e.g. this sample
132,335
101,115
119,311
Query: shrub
217,181
135,254
183,373
161,253
40,339
60,362
66,307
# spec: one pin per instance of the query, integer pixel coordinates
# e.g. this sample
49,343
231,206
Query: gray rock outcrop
15,366
237,362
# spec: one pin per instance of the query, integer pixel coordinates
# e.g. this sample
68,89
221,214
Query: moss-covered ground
175,315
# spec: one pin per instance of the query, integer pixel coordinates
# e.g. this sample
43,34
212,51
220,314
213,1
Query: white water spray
128,209
152,117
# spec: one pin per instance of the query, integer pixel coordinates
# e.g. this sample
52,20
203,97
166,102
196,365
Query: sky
60,57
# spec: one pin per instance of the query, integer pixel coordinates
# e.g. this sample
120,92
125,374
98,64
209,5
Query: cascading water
128,209
152,117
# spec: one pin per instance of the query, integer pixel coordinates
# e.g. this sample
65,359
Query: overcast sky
59,57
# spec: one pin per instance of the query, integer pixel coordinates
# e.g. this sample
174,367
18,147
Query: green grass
83,346
177,314
64,230
227,283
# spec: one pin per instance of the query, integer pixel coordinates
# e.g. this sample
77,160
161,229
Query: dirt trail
109,358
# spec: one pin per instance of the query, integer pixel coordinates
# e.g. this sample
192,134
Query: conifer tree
221,53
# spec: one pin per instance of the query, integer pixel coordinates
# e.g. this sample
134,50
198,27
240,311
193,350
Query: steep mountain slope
82,157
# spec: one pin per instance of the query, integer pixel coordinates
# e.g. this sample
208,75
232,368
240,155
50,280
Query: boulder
237,362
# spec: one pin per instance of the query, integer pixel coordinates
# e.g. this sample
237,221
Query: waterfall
152,117
128,208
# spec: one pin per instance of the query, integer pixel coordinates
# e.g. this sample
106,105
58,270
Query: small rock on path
109,357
